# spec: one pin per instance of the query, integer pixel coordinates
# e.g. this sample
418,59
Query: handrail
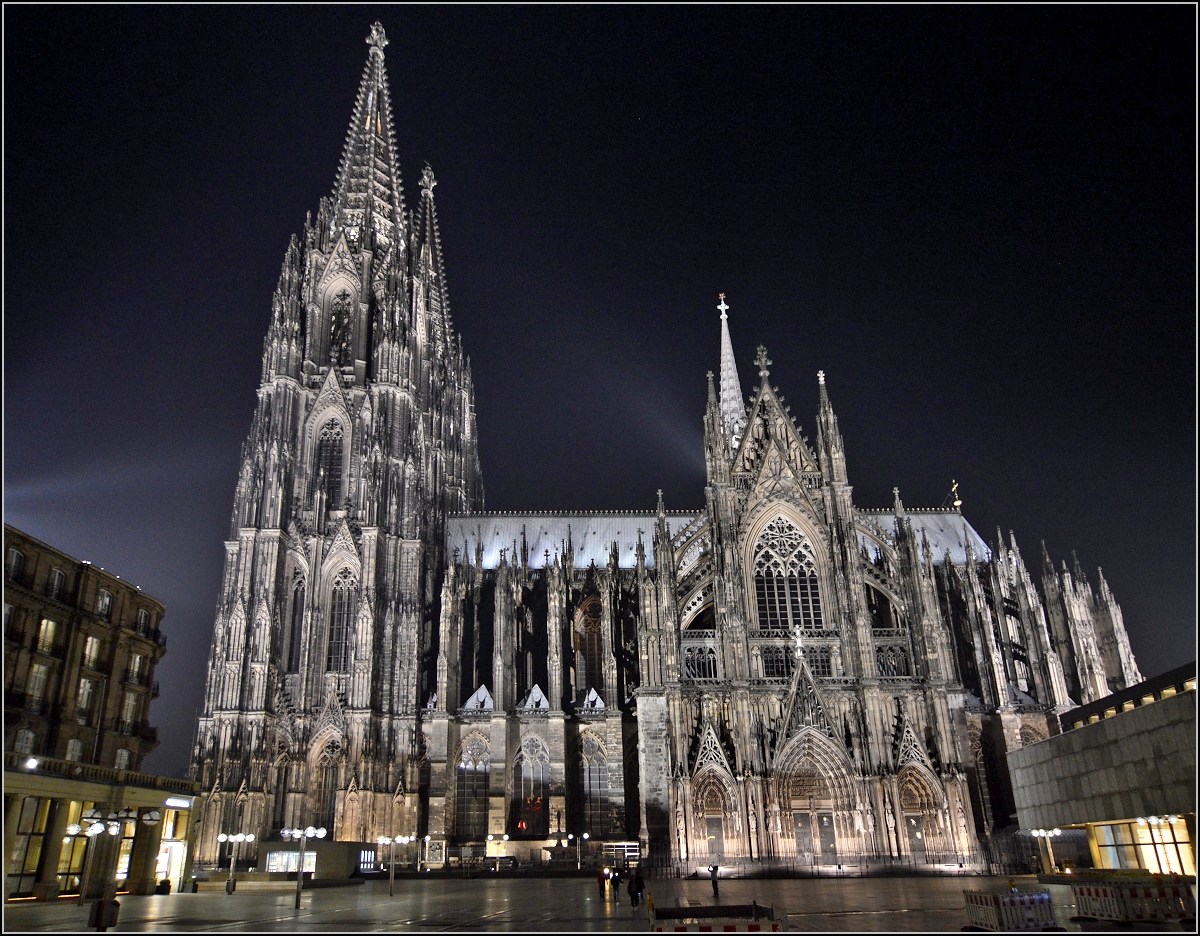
77,770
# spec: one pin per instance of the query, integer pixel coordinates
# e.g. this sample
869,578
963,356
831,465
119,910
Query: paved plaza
545,904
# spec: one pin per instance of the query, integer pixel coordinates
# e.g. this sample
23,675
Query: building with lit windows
778,677
80,649
1124,770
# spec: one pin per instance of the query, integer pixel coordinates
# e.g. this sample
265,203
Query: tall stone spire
367,193
733,406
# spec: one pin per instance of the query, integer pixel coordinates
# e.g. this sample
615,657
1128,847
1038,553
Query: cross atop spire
377,39
723,307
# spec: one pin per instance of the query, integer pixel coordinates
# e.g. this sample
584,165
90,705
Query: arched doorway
920,802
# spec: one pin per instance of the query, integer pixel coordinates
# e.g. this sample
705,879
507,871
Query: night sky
979,221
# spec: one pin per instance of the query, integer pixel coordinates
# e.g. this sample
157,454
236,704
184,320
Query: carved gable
804,709
710,752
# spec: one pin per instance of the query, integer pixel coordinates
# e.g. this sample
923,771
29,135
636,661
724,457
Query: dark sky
979,221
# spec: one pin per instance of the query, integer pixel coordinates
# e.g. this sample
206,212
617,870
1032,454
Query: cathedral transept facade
779,676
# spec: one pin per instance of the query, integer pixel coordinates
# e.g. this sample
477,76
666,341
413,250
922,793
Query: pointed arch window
325,795
532,780
329,462
785,579
341,620
589,655
471,790
594,769
297,627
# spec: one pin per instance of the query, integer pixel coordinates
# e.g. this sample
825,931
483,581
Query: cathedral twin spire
733,407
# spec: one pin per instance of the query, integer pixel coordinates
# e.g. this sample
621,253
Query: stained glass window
785,579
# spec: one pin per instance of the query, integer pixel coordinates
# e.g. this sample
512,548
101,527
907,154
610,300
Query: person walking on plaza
639,884
712,873
632,888
600,881
616,883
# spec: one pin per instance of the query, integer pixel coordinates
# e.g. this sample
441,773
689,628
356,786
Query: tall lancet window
329,463
297,630
532,780
594,769
341,621
471,790
785,579
589,652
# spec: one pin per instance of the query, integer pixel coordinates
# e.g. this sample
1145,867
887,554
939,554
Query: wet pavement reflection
432,904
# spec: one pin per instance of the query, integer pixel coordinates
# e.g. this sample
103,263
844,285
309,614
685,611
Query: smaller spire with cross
723,307
427,179
377,40
762,361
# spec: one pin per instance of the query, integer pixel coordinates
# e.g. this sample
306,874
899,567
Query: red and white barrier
1131,903
1009,911
764,927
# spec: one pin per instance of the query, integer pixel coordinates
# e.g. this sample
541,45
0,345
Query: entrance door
916,837
804,836
828,838
716,837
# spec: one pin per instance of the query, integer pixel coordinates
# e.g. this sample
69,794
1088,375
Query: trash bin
230,886
104,914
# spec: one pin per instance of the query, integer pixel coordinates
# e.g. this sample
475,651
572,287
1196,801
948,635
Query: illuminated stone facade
777,677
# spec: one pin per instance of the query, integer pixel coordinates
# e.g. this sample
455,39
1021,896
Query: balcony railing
77,770
99,664
139,678
50,648
154,690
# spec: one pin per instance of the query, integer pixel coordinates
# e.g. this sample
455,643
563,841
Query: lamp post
422,846
578,848
92,826
236,840
1048,834
389,842
302,836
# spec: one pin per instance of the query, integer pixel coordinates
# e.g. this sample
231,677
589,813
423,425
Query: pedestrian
639,884
712,873
616,883
600,881
633,894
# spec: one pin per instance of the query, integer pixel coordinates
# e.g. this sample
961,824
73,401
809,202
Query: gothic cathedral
778,677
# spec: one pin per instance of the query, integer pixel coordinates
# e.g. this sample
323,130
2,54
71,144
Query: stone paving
430,905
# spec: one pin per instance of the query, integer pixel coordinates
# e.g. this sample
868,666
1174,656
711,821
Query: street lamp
578,848
424,847
302,836
231,884
1047,834
92,826
389,842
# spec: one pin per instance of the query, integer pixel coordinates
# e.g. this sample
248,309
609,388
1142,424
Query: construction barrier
732,918
1009,911
1133,903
